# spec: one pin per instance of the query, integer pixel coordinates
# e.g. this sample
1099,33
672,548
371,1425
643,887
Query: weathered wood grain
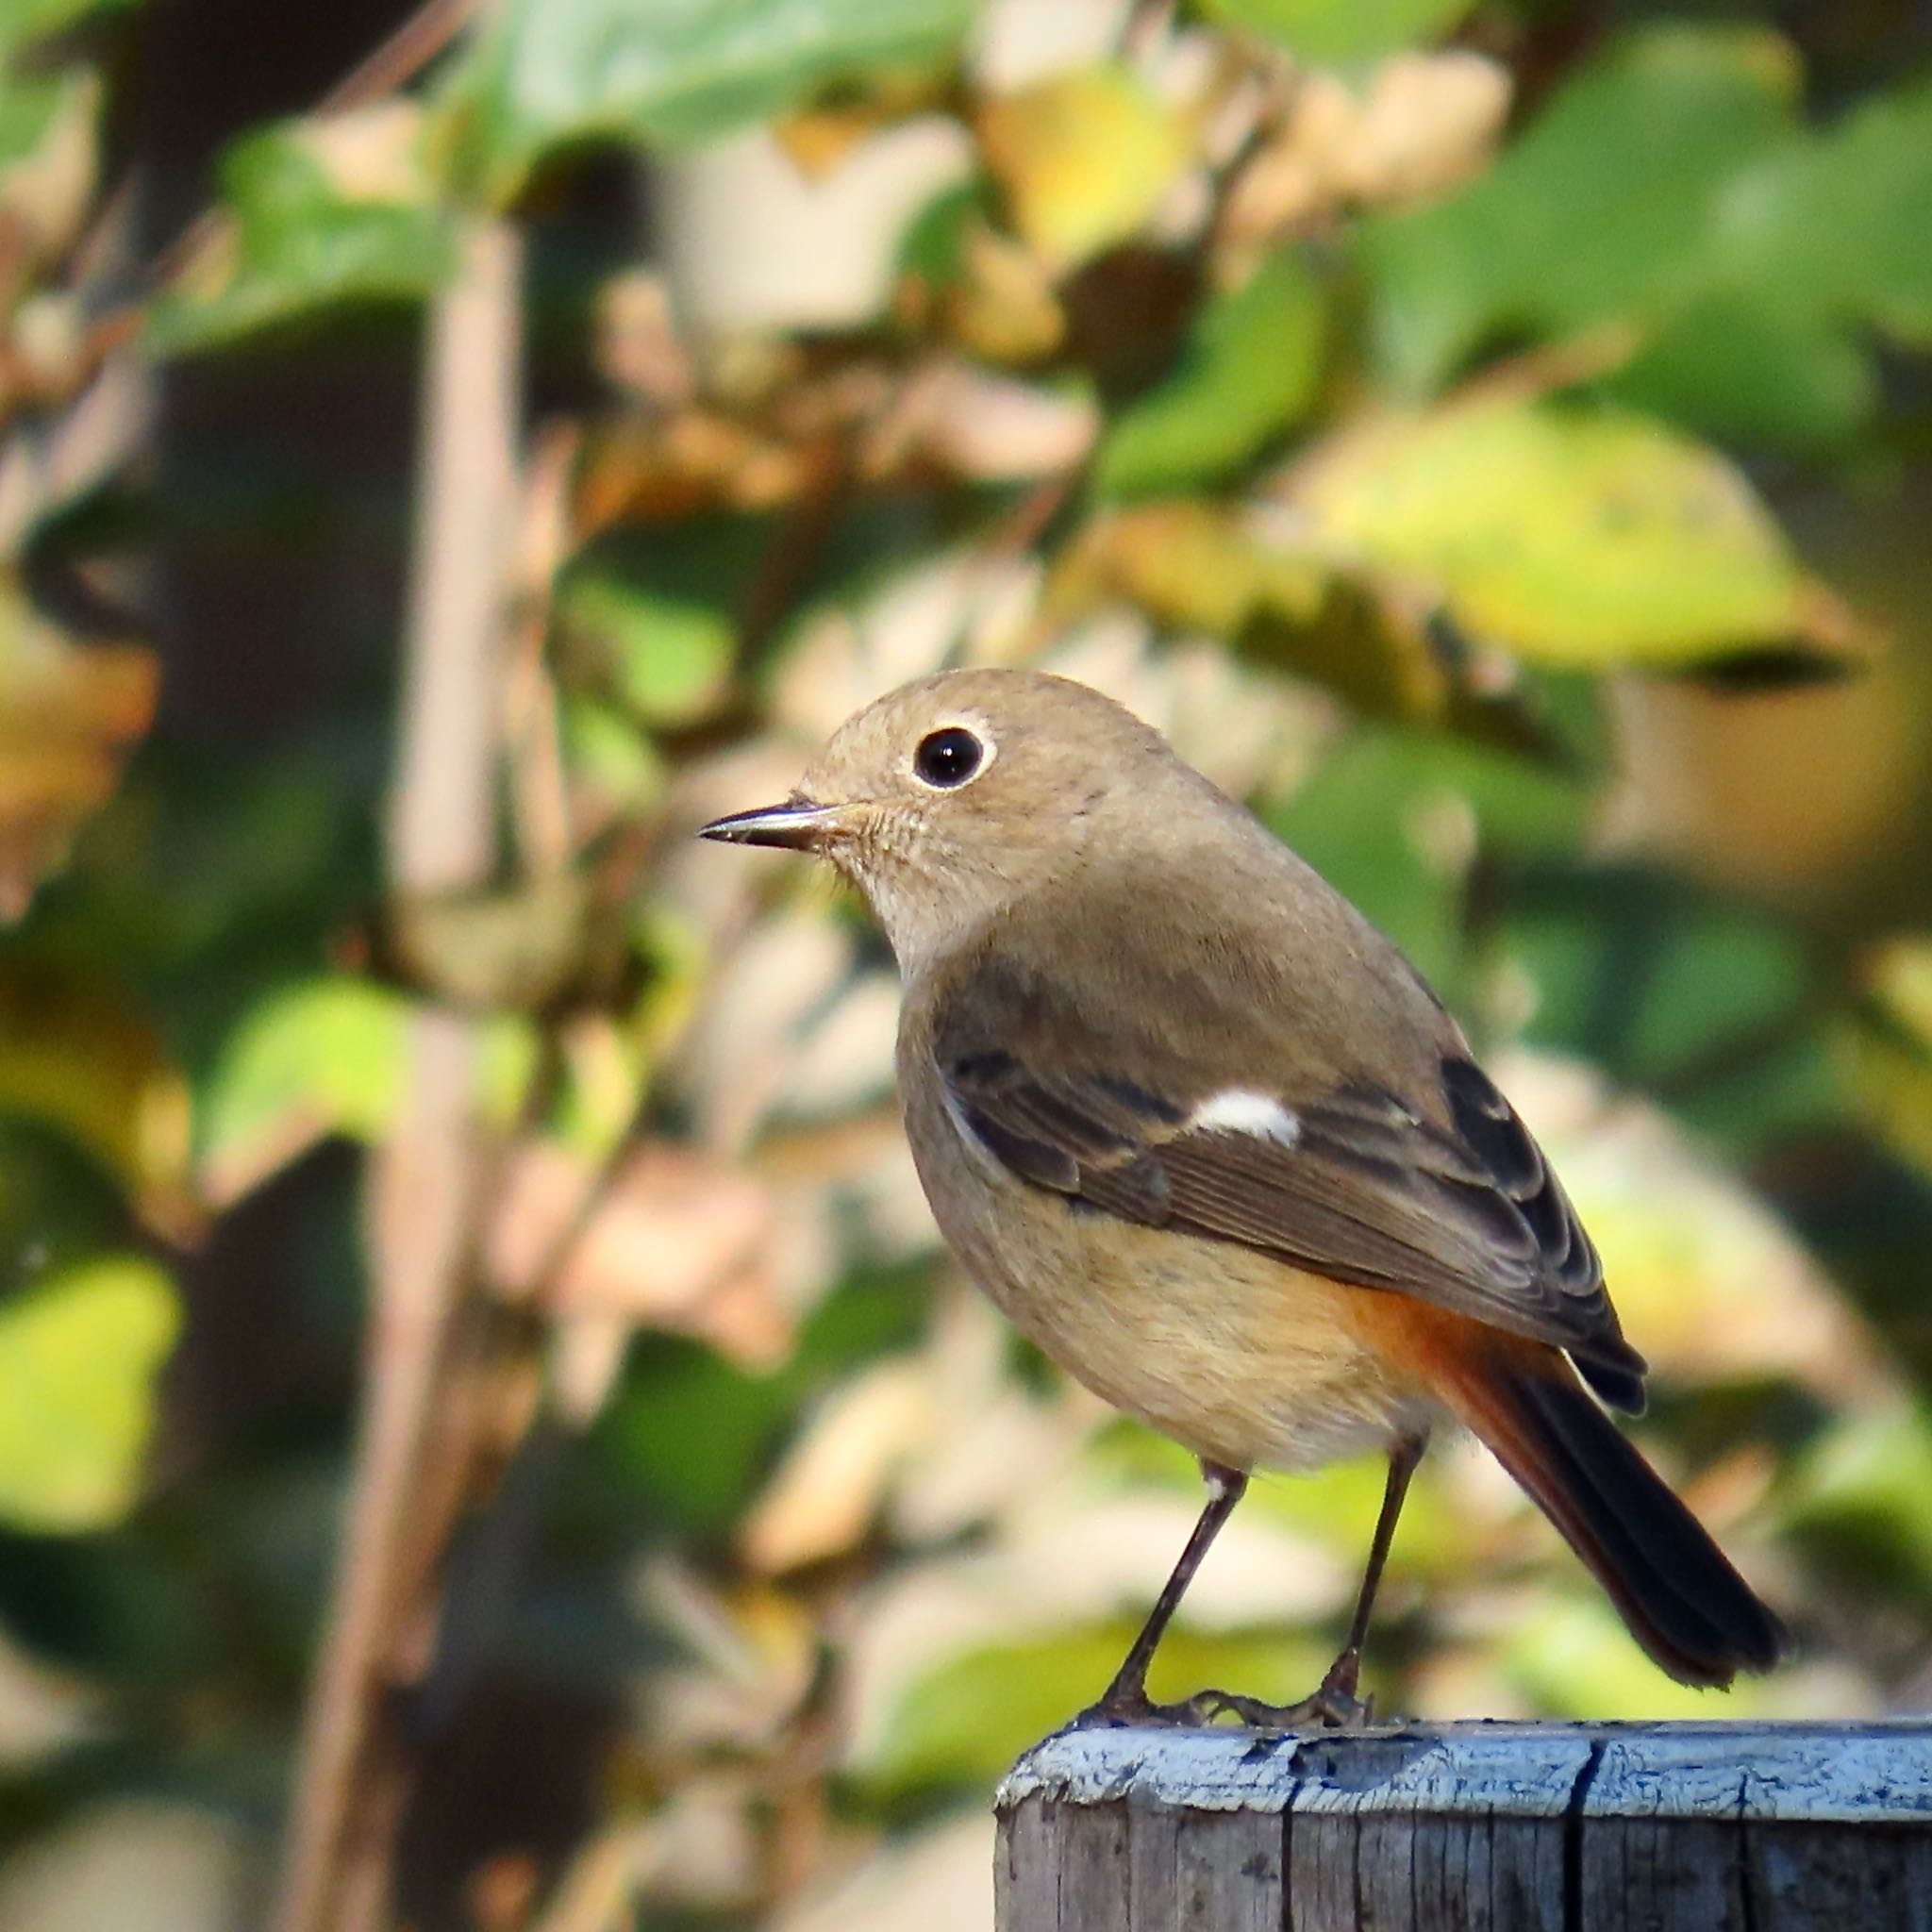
1505,1827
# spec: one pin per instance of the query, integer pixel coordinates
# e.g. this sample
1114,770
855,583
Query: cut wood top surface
1868,1772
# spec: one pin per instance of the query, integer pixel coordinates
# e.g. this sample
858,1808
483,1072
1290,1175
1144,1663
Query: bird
1205,1137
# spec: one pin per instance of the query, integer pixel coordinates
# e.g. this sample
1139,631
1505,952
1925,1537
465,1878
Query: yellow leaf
1084,158
79,1358
1572,537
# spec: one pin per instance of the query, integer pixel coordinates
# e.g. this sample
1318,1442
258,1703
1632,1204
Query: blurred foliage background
487,1438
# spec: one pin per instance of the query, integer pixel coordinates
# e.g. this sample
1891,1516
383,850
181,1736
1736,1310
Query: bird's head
954,796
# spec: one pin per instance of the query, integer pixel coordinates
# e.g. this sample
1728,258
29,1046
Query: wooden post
1473,1827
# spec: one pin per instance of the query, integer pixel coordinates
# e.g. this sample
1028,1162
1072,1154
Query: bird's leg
1333,1701
1125,1700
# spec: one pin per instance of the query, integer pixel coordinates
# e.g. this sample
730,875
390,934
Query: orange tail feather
1684,1603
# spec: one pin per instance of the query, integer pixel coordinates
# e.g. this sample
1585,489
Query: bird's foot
1332,1705
1123,1708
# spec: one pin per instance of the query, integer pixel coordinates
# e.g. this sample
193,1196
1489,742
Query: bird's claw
1333,1706
1326,1708
1136,1709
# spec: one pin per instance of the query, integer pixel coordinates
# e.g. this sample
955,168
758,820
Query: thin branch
430,1182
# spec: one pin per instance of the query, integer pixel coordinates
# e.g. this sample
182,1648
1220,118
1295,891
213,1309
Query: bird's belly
1241,1359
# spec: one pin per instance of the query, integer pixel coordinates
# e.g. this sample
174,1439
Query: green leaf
1248,372
1572,1658
327,1056
1340,30
1603,212
668,658
321,1057
1862,1498
1646,978
1743,254
29,111
323,215
79,1358
24,21
610,759
1572,537
1393,819
550,73
967,1720
1738,362
1844,219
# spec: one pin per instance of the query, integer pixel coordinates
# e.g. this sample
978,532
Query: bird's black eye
948,757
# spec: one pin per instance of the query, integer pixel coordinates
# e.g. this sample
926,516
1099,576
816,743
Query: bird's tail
1684,1603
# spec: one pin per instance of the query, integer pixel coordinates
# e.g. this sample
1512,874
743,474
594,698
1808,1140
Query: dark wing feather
1461,1210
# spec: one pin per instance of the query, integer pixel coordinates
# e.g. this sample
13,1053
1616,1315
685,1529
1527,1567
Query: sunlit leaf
1900,974
1248,372
1340,30
668,1241
1263,583
326,1056
1574,1658
68,714
1083,158
323,213
78,1357
1567,536
967,1720
548,72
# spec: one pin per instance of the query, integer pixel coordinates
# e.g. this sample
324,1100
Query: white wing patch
1239,1111
989,1163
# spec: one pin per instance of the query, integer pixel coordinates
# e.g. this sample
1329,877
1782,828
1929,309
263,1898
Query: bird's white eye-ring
949,757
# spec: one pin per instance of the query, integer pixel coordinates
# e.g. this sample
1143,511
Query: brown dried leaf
832,1485
988,427
675,1241
1426,123
655,468
69,715
639,347
1003,306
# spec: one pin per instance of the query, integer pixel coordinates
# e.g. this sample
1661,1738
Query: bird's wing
1443,1196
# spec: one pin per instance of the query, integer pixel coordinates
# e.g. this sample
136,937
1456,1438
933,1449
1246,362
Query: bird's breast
1237,1355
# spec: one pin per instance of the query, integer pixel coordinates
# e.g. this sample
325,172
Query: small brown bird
1207,1138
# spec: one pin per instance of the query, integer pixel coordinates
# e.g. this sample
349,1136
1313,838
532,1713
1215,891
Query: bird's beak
797,826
